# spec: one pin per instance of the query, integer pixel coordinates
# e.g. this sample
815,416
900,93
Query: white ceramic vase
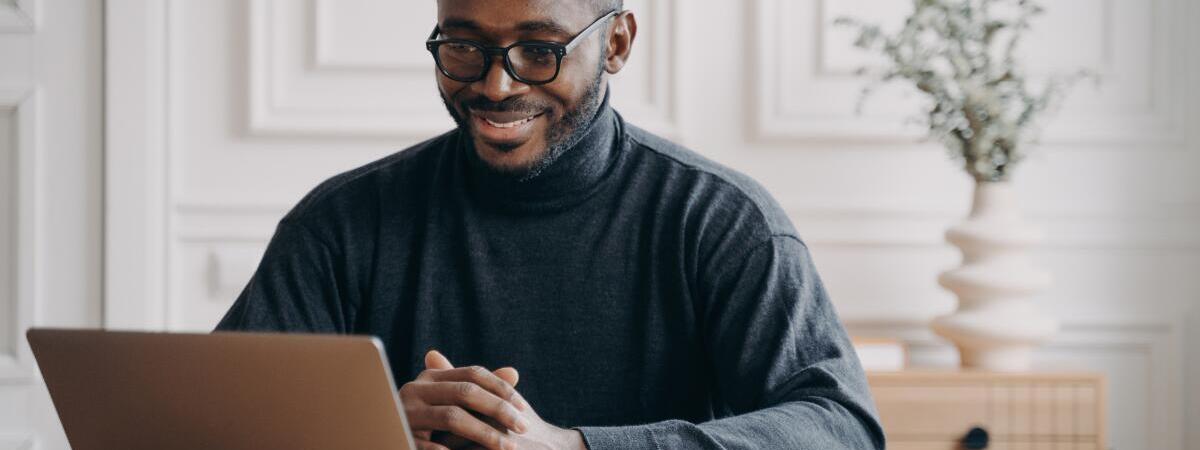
996,325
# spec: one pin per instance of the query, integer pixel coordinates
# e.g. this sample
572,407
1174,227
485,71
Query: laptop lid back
229,391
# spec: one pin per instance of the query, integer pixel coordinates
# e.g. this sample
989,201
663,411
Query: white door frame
136,166
50,201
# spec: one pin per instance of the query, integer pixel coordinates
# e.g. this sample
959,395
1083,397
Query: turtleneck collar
569,179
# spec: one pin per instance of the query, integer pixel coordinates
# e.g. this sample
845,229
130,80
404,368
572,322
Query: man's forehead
554,16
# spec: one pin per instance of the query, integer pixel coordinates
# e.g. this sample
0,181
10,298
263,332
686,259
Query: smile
508,128
510,124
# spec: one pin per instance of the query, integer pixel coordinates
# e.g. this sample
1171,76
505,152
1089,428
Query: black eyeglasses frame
560,51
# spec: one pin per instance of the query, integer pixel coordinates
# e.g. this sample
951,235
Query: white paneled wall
807,89
17,238
240,107
359,68
50,197
17,115
16,302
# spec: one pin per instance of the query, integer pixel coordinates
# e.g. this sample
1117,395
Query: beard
561,135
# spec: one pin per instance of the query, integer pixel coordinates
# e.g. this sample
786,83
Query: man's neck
574,172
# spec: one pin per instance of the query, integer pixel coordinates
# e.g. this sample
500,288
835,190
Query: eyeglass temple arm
586,31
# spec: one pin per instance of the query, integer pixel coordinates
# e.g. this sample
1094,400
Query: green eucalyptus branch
961,55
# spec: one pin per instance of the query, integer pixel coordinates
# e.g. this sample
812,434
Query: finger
511,376
458,421
470,396
436,360
427,445
480,376
508,374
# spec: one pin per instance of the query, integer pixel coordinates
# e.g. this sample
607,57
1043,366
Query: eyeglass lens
467,62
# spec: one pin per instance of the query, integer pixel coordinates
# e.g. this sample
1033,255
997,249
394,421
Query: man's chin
510,157
500,147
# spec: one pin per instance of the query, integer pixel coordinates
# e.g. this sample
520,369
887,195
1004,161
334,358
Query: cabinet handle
975,439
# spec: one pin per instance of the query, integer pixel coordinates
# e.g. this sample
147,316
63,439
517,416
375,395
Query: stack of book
880,355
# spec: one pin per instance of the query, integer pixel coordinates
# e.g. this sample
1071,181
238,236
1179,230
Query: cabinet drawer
935,410
931,412
998,445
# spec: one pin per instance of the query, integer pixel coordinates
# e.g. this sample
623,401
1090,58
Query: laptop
221,391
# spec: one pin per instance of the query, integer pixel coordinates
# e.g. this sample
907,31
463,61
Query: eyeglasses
530,62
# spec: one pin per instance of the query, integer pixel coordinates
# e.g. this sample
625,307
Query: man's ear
620,41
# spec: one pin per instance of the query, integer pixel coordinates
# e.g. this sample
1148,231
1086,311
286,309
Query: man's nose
498,84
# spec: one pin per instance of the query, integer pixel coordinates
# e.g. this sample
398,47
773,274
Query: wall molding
321,52
658,112
16,361
1161,125
290,105
1080,231
18,16
848,226
289,95
136,164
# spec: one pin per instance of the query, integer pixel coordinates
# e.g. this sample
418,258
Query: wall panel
50,197
352,69
806,91
18,231
8,232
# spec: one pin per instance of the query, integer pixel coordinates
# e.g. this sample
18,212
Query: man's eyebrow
543,26
454,22
531,26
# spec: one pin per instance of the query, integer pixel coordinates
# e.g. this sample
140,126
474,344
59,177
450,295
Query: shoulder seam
300,224
309,203
771,238
751,249
332,250
721,178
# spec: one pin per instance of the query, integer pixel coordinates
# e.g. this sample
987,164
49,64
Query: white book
881,355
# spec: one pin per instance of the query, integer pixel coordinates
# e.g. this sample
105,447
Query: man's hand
538,435
442,398
544,436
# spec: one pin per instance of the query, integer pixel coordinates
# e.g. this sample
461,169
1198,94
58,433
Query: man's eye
539,53
457,47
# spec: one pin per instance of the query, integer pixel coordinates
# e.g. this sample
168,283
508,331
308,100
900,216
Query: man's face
519,128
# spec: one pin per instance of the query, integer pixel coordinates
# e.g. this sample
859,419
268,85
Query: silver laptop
221,391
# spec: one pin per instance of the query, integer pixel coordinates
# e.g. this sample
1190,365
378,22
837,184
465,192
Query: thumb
508,374
435,360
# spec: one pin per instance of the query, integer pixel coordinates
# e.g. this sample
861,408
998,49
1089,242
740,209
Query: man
648,297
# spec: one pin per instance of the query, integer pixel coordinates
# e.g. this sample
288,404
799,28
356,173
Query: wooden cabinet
931,410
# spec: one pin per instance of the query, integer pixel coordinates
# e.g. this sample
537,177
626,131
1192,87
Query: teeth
509,124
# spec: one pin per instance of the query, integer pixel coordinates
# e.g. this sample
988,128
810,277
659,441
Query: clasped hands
452,408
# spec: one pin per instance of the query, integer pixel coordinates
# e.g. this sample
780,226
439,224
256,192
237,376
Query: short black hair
603,6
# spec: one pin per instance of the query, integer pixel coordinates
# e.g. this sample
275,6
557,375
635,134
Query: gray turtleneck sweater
649,297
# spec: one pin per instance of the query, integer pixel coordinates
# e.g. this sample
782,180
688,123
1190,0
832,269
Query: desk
934,410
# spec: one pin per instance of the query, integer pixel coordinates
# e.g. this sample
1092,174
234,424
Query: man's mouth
505,127
509,124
